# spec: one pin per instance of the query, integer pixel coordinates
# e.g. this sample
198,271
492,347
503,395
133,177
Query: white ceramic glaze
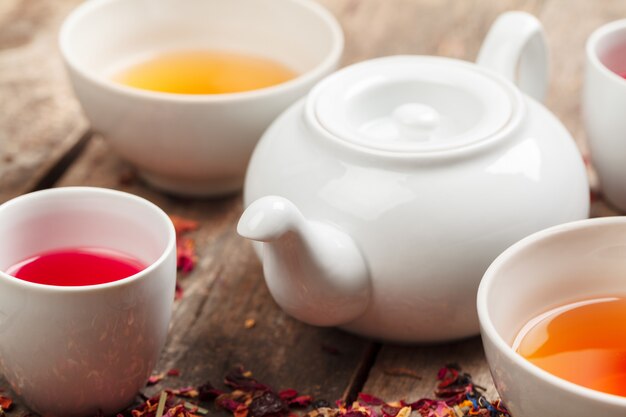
388,235
560,265
74,351
604,95
192,144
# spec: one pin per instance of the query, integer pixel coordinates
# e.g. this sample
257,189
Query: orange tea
203,72
582,342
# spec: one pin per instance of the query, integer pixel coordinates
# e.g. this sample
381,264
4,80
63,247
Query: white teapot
381,199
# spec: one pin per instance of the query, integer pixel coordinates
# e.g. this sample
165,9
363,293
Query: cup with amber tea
183,89
552,310
87,279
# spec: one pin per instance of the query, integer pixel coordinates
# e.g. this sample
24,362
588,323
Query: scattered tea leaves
161,406
155,379
185,247
456,395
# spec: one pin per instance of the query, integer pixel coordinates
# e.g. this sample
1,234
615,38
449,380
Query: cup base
187,188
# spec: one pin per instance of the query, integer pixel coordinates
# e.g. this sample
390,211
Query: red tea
76,267
582,342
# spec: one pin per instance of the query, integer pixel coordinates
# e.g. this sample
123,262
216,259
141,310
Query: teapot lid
414,103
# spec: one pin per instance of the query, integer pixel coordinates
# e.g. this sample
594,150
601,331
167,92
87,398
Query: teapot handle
516,48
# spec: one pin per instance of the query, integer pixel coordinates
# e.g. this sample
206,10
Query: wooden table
45,142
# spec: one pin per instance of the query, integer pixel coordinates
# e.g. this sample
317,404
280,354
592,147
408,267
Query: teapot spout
314,271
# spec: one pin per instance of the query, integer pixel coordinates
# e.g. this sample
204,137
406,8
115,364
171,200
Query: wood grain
41,122
568,24
208,335
385,379
40,119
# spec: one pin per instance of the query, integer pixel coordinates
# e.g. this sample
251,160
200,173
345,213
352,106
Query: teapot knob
415,120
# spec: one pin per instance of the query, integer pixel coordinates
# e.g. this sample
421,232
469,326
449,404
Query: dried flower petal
185,254
155,379
240,379
207,392
266,403
185,247
187,392
183,225
288,394
370,399
301,401
178,292
5,403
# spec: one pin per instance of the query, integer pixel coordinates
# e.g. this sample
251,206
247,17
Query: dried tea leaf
207,392
242,380
404,412
267,403
161,405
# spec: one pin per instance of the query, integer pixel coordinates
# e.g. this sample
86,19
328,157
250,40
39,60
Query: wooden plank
40,119
386,379
208,336
568,25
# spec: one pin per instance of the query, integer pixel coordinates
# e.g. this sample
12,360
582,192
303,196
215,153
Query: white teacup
74,351
193,144
604,101
554,267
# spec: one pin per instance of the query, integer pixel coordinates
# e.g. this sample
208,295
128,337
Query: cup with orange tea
183,89
87,279
552,310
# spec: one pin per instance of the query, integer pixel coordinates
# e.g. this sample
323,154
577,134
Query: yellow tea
582,342
203,72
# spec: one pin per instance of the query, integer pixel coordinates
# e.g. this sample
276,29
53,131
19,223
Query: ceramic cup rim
489,331
596,37
328,62
30,198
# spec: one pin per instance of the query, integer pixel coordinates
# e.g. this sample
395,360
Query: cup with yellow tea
552,310
183,89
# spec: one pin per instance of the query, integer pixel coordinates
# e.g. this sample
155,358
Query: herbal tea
76,267
204,72
582,342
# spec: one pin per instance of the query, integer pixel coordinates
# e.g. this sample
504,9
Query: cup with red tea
603,101
552,310
87,279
